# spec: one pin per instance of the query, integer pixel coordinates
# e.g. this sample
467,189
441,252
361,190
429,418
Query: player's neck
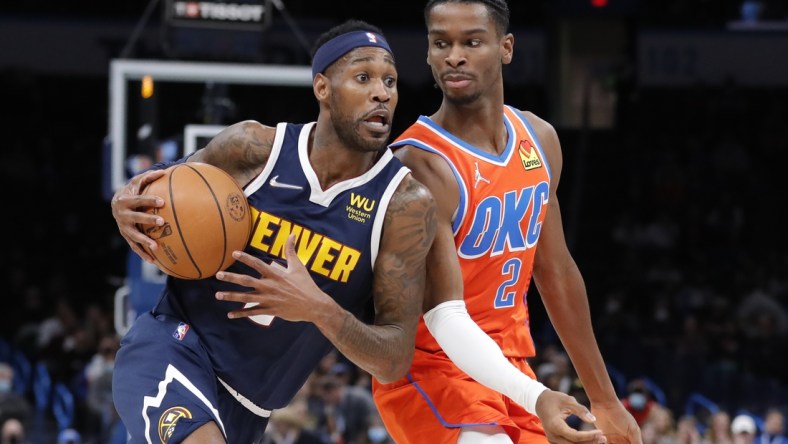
479,124
332,162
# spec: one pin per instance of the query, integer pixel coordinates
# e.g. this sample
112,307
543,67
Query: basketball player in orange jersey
496,169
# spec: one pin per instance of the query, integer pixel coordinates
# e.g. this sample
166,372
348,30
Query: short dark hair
343,28
498,10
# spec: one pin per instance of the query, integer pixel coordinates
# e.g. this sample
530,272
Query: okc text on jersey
498,222
318,253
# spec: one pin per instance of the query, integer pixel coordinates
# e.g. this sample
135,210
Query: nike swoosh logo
276,184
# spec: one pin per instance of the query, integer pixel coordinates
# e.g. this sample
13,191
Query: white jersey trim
324,197
471,150
380,216
249,405
462,206
258,181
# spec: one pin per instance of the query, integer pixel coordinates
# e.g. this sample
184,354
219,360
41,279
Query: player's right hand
554,407
288,293
128,209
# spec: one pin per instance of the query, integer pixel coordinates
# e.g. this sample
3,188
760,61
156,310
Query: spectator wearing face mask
376,431
12,404
639,401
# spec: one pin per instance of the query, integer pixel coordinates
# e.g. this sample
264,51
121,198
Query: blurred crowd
692,289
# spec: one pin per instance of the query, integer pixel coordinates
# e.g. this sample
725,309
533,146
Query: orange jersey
503,201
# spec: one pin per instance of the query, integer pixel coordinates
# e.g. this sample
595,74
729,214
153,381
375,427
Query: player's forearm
385,351
475,353
574,328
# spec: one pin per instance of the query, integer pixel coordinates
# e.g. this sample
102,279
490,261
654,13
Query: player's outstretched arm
479,356
564,295
384,349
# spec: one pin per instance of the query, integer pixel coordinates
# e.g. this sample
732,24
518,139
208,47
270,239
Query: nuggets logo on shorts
169,419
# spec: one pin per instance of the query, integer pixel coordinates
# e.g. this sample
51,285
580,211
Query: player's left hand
553,407
128,209
618,425
288,293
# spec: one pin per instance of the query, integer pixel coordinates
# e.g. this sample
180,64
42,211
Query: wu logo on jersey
360,208
528,155
362,202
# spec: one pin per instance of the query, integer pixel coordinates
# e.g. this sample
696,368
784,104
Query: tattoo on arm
242,150
400,275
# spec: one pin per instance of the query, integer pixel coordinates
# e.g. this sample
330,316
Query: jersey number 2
505,297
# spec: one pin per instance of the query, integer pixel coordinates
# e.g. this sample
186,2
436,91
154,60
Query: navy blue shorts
164,387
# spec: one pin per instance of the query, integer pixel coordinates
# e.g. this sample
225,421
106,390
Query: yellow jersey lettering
346,262
328,257
361,202
285,229
255,214
325,256
266,224
307,245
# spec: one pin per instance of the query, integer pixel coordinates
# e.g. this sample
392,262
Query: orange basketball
206,217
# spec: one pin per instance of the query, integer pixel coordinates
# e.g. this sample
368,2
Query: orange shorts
436,400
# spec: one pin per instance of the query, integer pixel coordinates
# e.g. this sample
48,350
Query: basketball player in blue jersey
338,224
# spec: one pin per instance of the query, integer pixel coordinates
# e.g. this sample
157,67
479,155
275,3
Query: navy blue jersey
338,230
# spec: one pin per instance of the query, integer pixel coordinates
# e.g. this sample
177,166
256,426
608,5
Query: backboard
124,71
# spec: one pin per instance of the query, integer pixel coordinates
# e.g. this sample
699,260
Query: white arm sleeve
478,355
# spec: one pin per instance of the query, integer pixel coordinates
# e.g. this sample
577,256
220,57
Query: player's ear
320,87
507,49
